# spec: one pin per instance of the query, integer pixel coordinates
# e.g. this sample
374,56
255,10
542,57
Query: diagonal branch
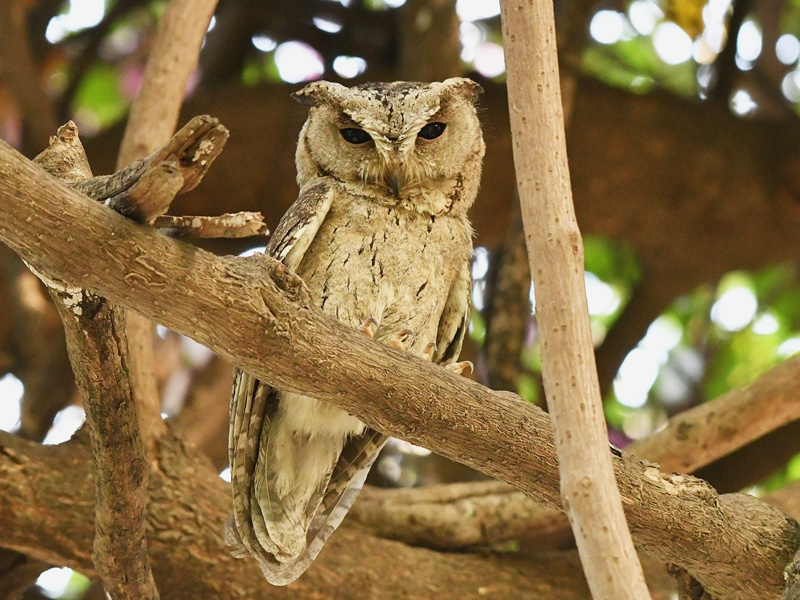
486,513
255,313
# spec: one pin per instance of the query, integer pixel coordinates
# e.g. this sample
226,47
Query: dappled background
682,129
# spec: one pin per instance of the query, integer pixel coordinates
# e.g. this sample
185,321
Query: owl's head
414,144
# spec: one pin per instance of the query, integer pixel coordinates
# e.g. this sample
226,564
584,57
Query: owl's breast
388,263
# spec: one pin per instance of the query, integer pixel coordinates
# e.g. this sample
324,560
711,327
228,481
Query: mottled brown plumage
381,238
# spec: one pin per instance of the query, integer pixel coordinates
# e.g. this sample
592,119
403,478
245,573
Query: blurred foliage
719,350
634,65
99,100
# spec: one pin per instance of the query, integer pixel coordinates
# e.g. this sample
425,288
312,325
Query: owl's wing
267,535
300,223
346,481
249,531
455,318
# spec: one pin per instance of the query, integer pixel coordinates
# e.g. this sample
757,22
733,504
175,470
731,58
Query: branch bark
47,503
735,545
555,253
488,513
98,349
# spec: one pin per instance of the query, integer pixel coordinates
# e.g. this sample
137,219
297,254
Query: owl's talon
458,367
370,327
429,351
401,340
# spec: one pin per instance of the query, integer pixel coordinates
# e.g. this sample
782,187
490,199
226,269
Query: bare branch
691,440
454,516
698,437
192,150
173,58
153,117
255,313
98,349
555,253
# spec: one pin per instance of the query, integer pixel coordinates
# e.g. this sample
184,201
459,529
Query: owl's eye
432,130
355,136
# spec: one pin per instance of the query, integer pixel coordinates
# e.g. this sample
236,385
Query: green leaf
99,97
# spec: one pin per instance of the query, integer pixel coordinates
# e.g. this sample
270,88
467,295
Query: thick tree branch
492,512
254,312
98,350
555,253
47,503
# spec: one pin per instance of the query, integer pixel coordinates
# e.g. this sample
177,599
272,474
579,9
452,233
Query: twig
555,250
229,225
736,545
98,349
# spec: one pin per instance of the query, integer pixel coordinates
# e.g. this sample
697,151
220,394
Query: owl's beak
394,183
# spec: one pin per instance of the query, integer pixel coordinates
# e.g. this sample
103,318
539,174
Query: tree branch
705,433
255,313
492,512
98,349
173,58
47,503
555,253
153,117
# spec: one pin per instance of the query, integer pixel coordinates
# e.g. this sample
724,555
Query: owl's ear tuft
318,92
461,86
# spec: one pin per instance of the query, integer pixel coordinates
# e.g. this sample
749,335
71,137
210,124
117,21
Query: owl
380,235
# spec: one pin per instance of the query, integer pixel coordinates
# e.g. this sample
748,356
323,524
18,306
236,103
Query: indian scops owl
379,234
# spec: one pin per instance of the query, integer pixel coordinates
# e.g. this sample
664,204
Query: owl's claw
429,351
458,367
370,326
401,340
